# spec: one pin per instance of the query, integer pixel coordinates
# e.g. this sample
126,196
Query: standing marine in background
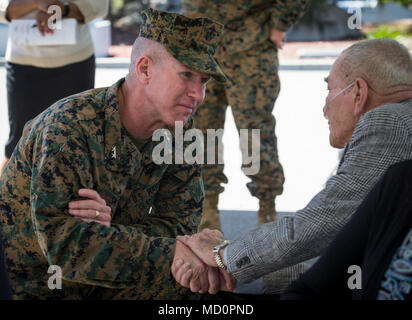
247,53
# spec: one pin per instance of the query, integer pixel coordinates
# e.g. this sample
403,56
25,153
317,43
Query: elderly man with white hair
369,111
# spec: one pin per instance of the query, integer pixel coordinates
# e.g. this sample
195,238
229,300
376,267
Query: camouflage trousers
251,91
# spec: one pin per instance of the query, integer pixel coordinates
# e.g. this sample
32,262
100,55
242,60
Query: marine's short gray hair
383,63
146,47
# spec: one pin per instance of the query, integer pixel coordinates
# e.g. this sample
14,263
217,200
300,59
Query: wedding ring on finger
97,214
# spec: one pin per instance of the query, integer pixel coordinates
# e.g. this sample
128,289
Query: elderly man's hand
219,280
227,281
277,37
189,270
94,209
202,244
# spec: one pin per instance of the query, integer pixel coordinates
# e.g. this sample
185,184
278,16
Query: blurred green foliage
404,3
384,31
118,8
387,31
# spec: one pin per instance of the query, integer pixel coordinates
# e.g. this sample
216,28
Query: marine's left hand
191,272
277,37
93,210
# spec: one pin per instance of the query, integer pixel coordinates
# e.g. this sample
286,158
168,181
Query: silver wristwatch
216,250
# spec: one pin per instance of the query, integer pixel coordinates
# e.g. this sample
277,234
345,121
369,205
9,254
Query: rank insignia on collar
114,153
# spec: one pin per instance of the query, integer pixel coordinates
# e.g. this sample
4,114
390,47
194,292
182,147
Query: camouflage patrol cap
191,41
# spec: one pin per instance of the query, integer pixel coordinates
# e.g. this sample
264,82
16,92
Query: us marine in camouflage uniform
247,54
101,140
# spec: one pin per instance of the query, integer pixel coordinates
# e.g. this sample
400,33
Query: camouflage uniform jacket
79,142
247,22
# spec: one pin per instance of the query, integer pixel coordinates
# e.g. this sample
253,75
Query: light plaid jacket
382,137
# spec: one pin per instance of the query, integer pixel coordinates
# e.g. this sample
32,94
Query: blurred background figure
37,76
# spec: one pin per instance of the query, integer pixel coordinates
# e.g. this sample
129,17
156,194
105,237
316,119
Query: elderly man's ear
361,96
144,69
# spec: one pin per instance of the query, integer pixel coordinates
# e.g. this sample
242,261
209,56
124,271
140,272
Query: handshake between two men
194,265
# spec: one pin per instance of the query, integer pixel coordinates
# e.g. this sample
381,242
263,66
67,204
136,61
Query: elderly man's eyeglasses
336,95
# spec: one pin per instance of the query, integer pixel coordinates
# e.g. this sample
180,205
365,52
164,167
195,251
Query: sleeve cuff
276,23
255,287
285,14
225,255
237,257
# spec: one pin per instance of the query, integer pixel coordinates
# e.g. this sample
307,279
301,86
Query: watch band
217,256
66,9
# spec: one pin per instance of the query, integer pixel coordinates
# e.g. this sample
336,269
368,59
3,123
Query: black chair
5,290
